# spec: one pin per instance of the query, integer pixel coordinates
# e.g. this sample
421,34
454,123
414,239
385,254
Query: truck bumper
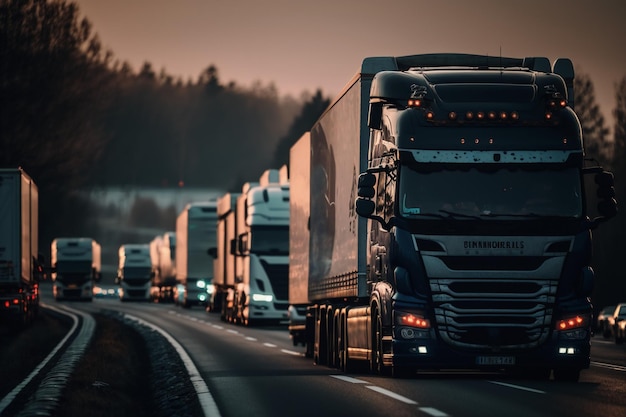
432,353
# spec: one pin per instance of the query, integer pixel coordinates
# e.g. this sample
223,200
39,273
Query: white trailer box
196,228
19,265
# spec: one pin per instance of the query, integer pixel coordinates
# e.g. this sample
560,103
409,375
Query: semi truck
449,222
76,267
134,272
224,263
20,263
163,255
261,251
195,241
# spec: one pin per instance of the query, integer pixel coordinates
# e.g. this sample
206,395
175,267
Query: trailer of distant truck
20,263
76,267
163,256
448,223
196,227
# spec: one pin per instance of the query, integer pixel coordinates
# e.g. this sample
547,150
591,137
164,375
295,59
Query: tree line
74,116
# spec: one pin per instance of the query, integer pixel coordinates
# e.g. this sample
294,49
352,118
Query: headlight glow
267,298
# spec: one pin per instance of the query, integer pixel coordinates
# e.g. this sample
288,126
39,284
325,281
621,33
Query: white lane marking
252,339
291,352
217,326
349,379
269,345
518,387
6,401
433,411
232,331
207,402
609,366
391,394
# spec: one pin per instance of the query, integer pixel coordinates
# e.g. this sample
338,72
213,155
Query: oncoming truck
449,224
20,264
76,267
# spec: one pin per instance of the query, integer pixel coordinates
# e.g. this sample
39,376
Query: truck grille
279,279
493,313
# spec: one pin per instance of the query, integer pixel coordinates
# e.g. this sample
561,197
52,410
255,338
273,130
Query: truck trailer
196,239
299,212
134,272
20,263
261,249
163,255
224,263
449,224
76,267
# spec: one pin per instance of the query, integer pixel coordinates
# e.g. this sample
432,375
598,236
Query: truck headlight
266,298
200,284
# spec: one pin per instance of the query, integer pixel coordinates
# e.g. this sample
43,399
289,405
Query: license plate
495,360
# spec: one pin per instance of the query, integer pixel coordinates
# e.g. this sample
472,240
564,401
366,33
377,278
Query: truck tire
377,364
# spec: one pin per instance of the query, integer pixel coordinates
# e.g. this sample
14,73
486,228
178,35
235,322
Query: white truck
76,267
224,263
163,254
20,264
134,273
261,250
196,228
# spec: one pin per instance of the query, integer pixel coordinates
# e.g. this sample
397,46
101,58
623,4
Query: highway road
257,371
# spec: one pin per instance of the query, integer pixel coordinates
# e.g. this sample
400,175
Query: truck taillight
574,322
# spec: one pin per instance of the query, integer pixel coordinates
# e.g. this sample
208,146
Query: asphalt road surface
257,371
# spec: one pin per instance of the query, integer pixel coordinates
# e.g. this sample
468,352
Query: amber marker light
571,323
452,115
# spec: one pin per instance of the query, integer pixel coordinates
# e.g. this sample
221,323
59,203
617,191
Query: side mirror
375,115
366,184
607,206
364,207
212,252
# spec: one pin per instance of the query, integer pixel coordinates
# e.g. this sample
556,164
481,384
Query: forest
75,117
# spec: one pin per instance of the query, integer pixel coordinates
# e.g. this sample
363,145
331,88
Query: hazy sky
302,46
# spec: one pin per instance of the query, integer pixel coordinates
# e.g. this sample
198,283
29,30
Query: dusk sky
301,46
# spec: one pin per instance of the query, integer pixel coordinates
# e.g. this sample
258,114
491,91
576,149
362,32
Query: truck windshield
474,193
270,240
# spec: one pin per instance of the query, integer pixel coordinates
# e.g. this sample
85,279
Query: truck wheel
377,364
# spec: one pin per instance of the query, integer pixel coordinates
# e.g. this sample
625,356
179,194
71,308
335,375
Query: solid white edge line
207,402
391,394
433,411
611,366
518,387
8,399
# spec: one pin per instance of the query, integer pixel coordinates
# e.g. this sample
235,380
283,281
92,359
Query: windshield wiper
454,215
